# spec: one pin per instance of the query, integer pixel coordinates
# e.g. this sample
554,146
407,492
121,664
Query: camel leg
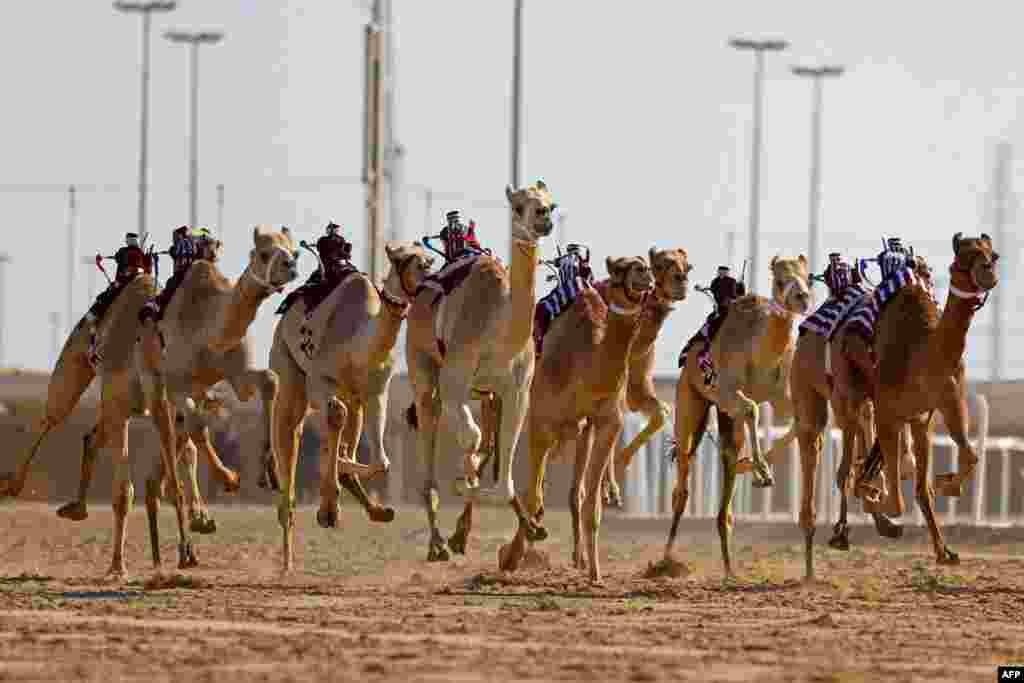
607,428
77,509
541,441
334,416
691,421
736,405
200,436
810,427
887,446
423,376
113,430
292,404
245,385
953,407
577,494
921,431
729,453
199,517
841,531
375,416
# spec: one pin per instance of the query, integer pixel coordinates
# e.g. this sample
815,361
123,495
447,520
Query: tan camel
204,327
340,362
579,393
813,387
479,336
752,354
671,281
920,371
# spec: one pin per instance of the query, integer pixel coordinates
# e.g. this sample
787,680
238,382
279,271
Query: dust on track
363,605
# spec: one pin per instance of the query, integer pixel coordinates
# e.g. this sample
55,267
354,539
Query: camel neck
951,333
652,319
619,338
239,312
389,324
523,280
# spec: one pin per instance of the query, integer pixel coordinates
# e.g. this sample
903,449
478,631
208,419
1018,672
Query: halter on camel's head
790,291
533,210
671,274
630,281
410,265
973,272
272,260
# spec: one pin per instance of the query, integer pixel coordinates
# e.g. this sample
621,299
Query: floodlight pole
816,74
759,47
146,9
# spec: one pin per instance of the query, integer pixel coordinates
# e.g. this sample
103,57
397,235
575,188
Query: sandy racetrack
364,606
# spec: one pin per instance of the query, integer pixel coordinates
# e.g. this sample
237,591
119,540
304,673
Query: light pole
55,336
194,40
759,47
816,74
90,268
517,109
72,264
220,211
146,8
4,260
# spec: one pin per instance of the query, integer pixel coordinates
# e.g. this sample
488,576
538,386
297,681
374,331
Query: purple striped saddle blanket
444,281
863,318
826,319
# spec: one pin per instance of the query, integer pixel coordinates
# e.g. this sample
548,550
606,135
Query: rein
265,280
980,297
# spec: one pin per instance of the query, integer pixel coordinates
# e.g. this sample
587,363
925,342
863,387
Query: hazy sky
637,115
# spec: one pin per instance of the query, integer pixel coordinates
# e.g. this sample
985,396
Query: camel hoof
203,525
579,562
381,514
75,511
536,533
840,537
234,485
268,476
887,528
117,571
614,498
328,519
869,493
507,559
186,556
948,485
763,483
948,557
438,553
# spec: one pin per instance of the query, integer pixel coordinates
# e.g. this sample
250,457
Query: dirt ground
364,605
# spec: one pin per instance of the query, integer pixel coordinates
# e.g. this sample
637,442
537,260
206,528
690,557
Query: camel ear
988,239
774,260
803,260
286,232
390,251
541,185
650,256
956,242
509,192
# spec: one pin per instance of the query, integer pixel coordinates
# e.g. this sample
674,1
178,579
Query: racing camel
752,353
579,394
204,328
921,371
340,362
478,336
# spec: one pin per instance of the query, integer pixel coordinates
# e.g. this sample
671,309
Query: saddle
552,305
313,293
864,316
448,279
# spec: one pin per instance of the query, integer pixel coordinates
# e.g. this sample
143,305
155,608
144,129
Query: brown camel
340,362
752,353
921,371
813,387
204,327
671,281
479,336
579,393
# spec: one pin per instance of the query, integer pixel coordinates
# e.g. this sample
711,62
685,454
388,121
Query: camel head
410,264
531,212
974,263
272,260
789,284
630,279
671,273
924,272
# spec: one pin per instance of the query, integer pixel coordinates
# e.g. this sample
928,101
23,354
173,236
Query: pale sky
637,115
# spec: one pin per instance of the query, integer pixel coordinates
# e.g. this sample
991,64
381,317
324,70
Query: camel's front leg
584,450
77,510
113,429
735,403
333,417
921,431
267,384
188,464
513,405
351,437
607,428
953,407
541,440
289,418
729,453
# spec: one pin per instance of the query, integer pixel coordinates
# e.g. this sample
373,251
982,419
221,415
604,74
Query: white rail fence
992,498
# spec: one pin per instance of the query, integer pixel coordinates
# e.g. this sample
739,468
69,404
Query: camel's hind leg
289,418
810,426
77,510
691,421
423,375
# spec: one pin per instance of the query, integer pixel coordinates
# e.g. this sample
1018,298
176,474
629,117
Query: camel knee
460,421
